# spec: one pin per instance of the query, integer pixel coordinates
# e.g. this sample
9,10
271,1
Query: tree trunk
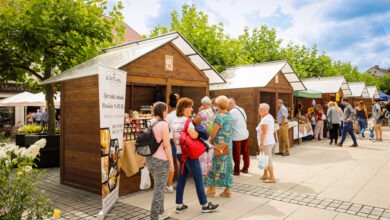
49,96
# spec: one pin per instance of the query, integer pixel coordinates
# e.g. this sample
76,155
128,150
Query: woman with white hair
204,117
266,140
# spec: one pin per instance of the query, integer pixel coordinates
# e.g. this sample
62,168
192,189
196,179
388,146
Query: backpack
383,115
189,147
146,143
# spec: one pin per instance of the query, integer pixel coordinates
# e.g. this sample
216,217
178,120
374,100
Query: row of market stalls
154,68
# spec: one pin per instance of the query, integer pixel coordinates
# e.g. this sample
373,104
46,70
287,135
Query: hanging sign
337,97
168,63
112,92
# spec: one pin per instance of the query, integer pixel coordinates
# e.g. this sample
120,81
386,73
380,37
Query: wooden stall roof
258,75
331,84
358,89
119,56
373,92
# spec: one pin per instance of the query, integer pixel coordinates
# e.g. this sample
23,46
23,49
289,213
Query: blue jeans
372,133
348,128
362,124
193,167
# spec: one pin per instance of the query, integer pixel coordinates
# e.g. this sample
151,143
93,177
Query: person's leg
371,133
380,131
344,131
181,182
281,144
376,129
352,133
316,131
196,172
321,128
245,148
331,135
236,156
268,152
336,128
285,139
159,170
363,127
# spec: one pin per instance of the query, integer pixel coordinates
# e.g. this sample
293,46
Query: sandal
269,181
264,177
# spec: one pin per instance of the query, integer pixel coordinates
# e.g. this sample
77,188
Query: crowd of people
226,125
343,119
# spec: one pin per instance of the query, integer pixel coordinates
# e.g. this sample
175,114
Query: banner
112,92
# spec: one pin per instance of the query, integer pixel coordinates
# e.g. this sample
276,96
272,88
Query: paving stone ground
317,181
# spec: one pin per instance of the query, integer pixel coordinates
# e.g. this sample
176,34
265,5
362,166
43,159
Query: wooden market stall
372,94
359,93
155,67
251,85
333,88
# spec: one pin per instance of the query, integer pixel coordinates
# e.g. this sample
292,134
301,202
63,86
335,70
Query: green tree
39,39
209,40
384,84
261,45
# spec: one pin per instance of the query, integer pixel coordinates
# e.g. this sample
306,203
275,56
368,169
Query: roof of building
373,92
258,75
358,89
331,84
121,55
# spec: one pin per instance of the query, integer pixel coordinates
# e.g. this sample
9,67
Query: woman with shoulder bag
161,162
221,136
183,113
334,119
266,140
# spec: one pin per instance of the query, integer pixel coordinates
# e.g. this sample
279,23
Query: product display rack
133,127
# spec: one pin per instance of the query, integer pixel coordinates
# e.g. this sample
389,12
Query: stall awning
119,56
373,92
308,94
358,89
331,84
383,96
258,75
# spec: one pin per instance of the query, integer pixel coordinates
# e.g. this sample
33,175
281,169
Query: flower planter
49,155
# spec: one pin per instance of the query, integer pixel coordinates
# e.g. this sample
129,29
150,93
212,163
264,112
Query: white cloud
137,12
307,22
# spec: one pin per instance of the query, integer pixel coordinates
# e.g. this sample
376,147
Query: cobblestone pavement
80,204
314,201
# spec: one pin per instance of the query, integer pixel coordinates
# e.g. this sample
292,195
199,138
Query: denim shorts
378,121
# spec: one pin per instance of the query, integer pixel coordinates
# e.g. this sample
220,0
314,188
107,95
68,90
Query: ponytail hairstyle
159,108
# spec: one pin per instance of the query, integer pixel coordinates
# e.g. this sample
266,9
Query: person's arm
214,132
167,147
191,131
379,112
365,111
197,120
264,128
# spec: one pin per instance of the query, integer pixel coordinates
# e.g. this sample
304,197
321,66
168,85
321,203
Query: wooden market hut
372,94
155,67
251,85
359,93
333,88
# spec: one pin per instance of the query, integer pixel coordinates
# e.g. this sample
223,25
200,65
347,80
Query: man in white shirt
240,136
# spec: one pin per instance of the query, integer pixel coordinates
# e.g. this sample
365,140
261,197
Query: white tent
29,99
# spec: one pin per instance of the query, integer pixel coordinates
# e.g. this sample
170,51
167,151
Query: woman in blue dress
222,167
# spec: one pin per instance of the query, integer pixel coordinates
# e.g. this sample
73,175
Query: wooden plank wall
250,98
80,151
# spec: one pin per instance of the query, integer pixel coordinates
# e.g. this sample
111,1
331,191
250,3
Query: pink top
158,133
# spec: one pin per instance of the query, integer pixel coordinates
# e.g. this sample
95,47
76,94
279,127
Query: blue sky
356,31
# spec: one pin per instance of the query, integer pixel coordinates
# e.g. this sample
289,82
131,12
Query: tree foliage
39,39
259,45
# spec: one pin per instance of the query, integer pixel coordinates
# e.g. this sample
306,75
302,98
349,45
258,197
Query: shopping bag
145,179
263,160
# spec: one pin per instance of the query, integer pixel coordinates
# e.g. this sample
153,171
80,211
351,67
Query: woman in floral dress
222,166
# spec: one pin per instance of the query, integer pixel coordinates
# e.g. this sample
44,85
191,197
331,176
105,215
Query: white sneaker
163,216
169,189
